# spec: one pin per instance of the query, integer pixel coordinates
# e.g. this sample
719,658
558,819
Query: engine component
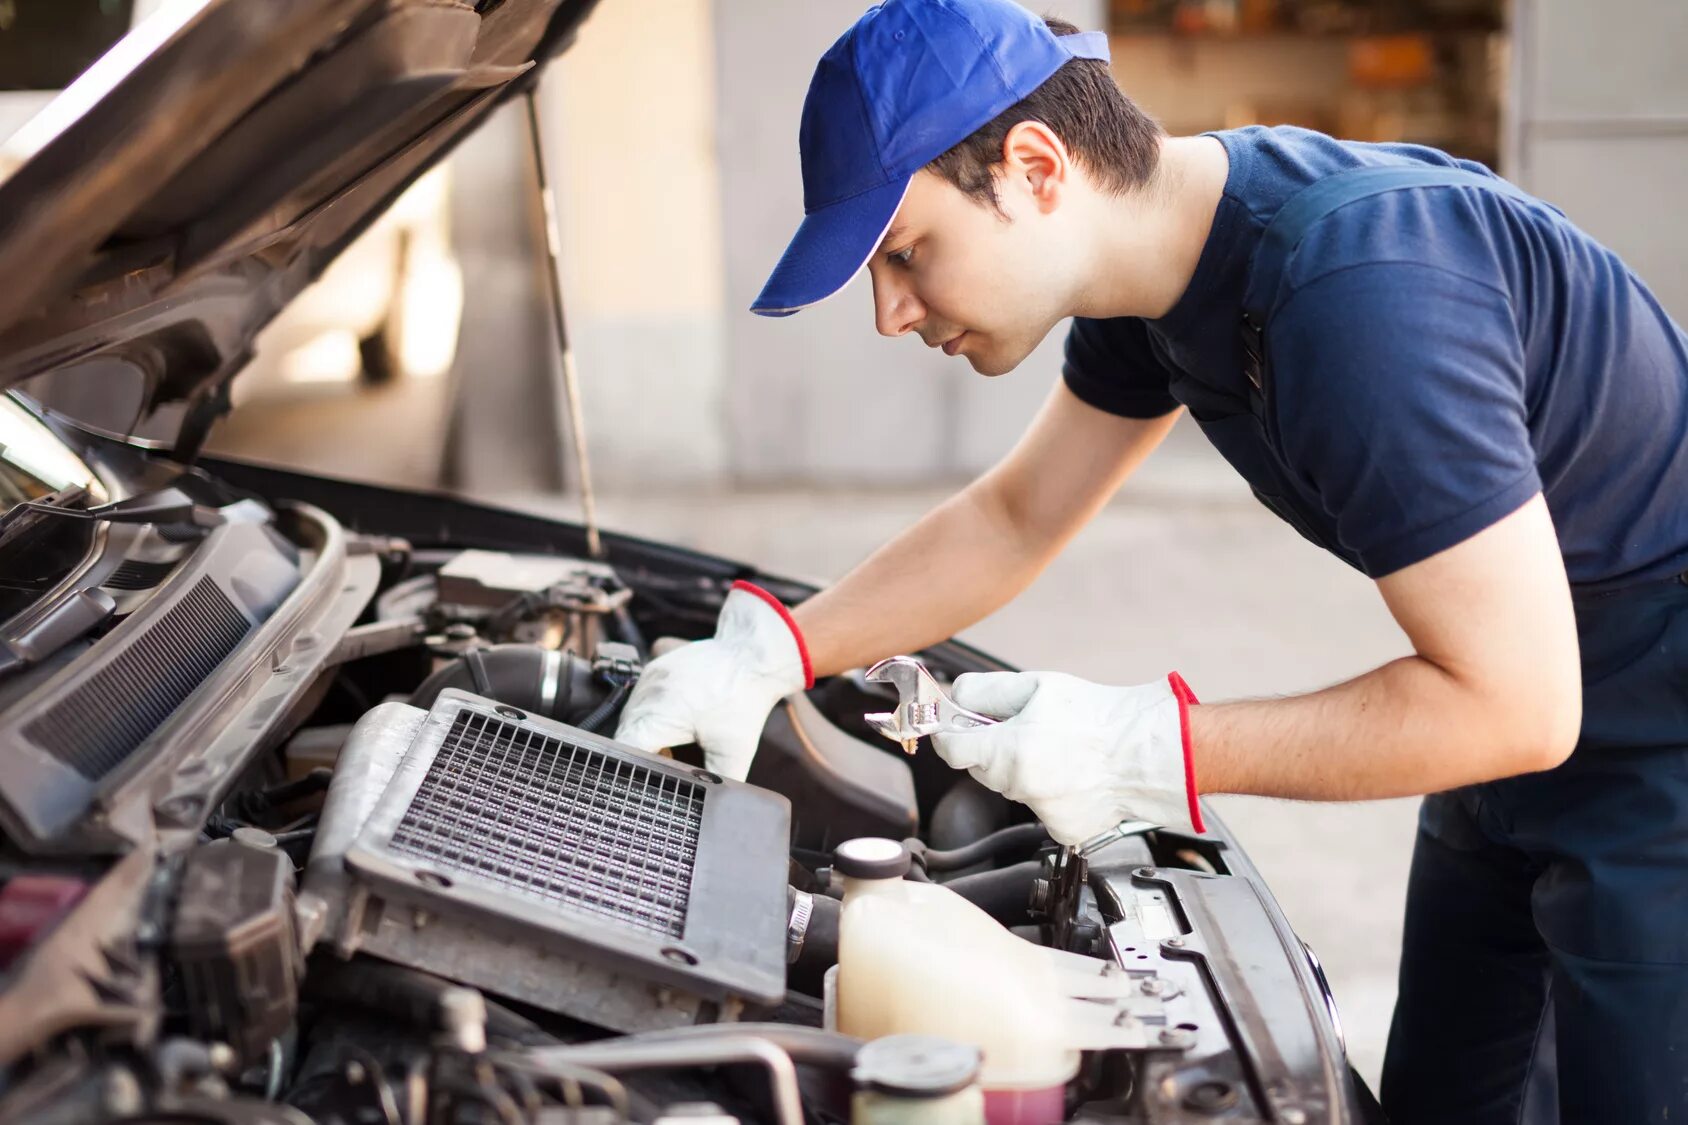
538,861
917,1080
967,812
615,1055
409,998
542,598
543,681
840,787
918,958
489,579
818,950
234,943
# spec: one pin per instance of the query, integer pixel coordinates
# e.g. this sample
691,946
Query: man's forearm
1403,729
963,560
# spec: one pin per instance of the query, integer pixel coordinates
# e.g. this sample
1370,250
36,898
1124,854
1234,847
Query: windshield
34,463
37,551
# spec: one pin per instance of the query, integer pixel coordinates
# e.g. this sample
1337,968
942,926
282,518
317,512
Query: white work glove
718,692
1083,756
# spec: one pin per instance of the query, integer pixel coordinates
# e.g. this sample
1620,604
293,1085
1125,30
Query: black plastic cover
234,945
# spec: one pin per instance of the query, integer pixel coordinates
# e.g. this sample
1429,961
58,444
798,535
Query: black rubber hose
967,812
254,805
516,675
1005,894
820,947
414,997
1016,838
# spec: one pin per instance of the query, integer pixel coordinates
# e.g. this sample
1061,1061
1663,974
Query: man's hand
1083,756
718,692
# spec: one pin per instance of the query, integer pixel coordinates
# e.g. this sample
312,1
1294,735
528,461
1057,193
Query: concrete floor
1182,571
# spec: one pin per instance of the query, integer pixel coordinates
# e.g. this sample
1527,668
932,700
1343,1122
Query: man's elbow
1546,727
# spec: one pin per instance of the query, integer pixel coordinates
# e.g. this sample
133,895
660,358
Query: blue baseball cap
911,80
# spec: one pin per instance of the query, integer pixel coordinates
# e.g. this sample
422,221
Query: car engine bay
310,807
321,825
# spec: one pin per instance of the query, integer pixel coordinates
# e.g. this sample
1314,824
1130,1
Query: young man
1440,380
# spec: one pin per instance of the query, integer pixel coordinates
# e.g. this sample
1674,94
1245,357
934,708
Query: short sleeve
1398,393
1110,365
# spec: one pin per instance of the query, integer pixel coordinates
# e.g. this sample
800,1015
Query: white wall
1599,126
633,119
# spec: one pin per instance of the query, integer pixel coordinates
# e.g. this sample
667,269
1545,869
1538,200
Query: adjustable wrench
922,706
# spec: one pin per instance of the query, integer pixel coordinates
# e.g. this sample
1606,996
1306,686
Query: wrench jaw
922,707
916,690
890,725
887,723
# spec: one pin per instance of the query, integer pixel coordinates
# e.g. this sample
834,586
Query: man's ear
1036,161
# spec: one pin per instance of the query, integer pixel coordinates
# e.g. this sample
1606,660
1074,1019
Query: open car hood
169,203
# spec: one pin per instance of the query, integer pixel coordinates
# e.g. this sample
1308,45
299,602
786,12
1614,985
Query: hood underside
185,188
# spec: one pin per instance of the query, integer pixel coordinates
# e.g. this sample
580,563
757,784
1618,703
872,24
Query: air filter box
548,864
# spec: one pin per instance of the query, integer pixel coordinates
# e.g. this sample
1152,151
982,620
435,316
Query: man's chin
991,362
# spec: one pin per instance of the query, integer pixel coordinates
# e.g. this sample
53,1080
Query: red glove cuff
1181,691
802,645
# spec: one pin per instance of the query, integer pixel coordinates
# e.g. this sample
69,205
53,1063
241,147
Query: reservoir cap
916,1066
871,857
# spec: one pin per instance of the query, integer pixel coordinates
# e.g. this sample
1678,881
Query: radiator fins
560,824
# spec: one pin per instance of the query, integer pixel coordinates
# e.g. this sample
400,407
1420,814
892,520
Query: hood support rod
570,390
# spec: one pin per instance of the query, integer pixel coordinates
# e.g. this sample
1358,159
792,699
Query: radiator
554,866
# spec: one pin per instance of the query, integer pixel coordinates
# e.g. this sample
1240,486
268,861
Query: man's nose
895,309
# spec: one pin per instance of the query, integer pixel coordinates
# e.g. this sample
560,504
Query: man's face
978,283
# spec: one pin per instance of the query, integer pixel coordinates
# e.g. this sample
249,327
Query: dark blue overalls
1544,975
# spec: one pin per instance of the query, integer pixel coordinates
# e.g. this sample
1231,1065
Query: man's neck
1152,238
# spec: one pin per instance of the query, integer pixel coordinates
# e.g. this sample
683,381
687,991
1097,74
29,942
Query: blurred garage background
426,356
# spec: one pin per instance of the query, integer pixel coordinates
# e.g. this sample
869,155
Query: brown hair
1115,141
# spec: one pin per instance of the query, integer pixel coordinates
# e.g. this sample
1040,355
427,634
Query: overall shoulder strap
1319,199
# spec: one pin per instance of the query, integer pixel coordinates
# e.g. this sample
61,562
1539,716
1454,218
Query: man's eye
902,256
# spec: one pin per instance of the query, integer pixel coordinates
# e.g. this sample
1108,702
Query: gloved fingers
959,751
1000,695
980,751
653,732
653,718
728,750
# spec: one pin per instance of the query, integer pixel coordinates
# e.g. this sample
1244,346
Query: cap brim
829,249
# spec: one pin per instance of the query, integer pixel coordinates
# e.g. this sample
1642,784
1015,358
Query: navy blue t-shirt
1438,356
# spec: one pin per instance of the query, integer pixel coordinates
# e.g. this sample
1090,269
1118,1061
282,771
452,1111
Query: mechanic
1440,380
